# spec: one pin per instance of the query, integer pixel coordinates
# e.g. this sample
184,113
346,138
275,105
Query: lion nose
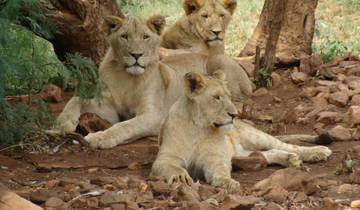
233,115
216,32
136,55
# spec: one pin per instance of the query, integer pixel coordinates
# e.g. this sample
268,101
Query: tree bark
296,35
80,26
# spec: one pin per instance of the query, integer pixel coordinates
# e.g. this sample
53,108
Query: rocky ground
313,98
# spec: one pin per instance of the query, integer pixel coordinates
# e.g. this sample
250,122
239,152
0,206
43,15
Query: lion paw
229,184
315,154
294,160
180,177
99,141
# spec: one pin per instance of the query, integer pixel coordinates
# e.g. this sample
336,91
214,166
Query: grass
337,26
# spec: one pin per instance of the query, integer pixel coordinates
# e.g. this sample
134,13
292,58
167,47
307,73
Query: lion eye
222,15
204,16
124,36
217,97
146,36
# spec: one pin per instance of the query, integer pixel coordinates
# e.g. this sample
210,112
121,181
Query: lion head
211,99
135,42
210,18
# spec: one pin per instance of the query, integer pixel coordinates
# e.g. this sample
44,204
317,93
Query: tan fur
196,30
138,92
200,137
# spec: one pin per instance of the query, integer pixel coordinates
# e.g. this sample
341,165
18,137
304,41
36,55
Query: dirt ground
74,170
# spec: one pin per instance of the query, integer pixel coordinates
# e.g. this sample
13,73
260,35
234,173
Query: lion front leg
125,132
68,120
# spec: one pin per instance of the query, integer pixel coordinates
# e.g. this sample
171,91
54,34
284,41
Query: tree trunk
80,26
296,35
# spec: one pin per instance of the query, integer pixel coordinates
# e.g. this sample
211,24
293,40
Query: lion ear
113,23
219,74
194,84
156,24
230,5
192,5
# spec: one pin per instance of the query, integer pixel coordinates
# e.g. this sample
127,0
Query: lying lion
200,136
202,29
139,89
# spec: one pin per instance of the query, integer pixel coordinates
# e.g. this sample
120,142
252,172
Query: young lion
138,88
202,28
200,136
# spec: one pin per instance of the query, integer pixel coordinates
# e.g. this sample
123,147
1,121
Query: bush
27,62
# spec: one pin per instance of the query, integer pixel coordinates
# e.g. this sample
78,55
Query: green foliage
347,167
330,49
27,62
265,79
83,73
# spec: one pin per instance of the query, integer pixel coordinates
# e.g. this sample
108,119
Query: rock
51,93
305,66
160,187
340,133
276,194
12,201
206,191
325,83
100,181
324,89
39,196
353,116
329,204
273,206
91,123
299,77
54,202
239,202
329,117
355,177
260,92
300,197
289,178
308,92
188,193
355,100
355,204
265,118
134,166
92,202
340,98
354,85
254,162
276,80
316,61
112,197
118,206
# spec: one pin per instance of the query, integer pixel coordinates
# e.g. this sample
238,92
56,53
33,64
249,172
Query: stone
91,123
327,117
118,206
355,177
51,93
160,187
329,204
305,66
92,202
54,202
355,204
134,166
112,197
340,98
299,77
355,100
308,92
206,191
340,133
276,194
324,89
239,202
188,193
100,181
353,116
289,178
273,206
276,80
300,197
11,201
254,162
325,83
260,92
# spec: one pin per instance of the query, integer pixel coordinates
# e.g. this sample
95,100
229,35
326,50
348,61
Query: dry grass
337,27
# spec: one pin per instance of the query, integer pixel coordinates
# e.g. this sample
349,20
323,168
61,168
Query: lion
139,89
201,135
202,28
